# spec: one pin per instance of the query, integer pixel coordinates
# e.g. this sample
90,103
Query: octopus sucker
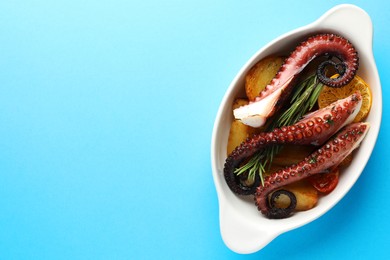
340,54
315,163
301,133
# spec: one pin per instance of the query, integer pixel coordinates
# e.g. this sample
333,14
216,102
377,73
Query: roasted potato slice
240,102
260,75
292,154
238,131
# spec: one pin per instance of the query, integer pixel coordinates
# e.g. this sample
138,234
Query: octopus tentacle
314,129
275,94
329,155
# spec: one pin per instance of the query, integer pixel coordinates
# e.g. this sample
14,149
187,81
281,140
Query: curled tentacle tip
278,213
346,72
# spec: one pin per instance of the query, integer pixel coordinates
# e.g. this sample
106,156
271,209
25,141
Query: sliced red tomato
325,182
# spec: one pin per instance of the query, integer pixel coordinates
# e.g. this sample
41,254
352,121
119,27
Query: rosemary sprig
302,101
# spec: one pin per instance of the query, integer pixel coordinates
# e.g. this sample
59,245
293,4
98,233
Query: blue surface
107,109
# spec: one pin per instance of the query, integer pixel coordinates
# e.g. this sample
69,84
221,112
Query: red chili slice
325,182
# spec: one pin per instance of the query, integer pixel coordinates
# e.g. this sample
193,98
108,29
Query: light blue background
106,112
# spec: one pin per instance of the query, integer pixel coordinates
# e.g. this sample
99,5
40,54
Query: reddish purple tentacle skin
314,129
308,50
329,155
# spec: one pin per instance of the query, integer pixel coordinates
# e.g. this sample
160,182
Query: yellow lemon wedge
329,95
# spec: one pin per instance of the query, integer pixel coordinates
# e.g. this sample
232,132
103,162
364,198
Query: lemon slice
329,95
